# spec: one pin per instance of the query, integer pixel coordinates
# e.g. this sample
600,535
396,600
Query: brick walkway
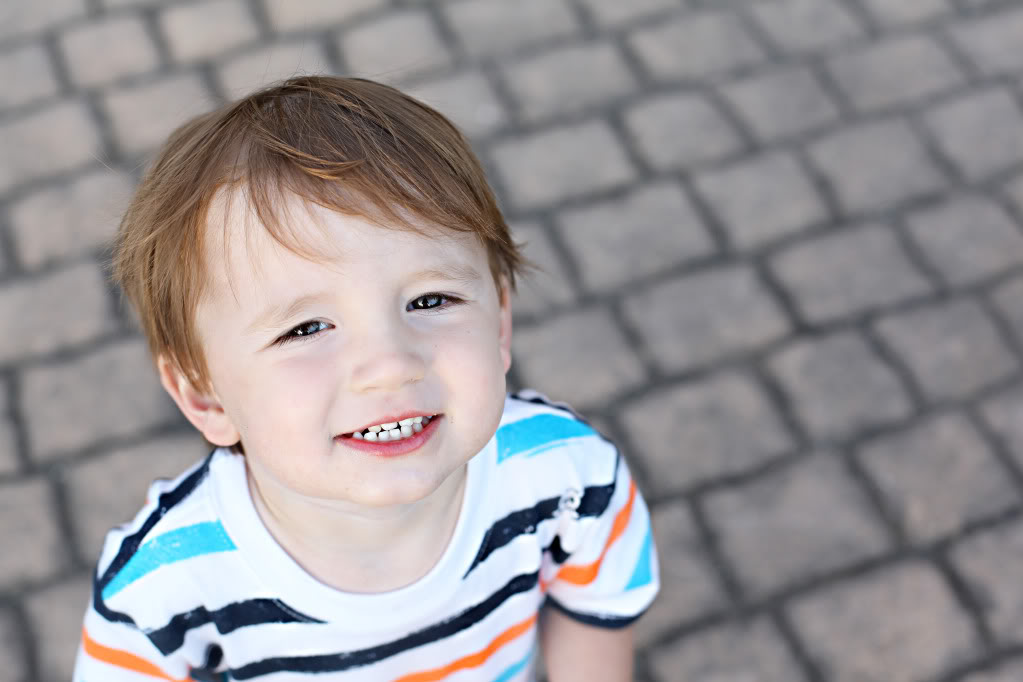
783,250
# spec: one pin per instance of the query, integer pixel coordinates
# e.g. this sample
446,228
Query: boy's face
386,324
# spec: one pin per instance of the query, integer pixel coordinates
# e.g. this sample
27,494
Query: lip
393,448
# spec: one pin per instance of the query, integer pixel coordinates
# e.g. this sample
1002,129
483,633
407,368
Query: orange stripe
472,660
584,575
122,659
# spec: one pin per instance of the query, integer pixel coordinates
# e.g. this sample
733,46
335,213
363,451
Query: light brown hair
348,144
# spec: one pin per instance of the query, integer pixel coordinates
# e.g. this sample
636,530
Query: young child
324,279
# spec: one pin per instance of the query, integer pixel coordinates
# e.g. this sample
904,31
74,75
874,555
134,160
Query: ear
505,332
204,411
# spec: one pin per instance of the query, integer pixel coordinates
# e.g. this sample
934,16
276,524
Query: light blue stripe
175,545
515,668
642,574
531,436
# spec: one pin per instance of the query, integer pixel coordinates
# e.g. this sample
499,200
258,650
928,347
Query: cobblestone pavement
783,249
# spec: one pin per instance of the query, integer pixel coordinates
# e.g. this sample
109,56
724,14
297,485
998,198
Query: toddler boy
324,279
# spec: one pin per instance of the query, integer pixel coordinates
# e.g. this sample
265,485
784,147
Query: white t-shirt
196,585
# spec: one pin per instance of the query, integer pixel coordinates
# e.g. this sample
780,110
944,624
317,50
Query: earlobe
204,411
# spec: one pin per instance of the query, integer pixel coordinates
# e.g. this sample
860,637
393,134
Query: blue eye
432,301
303,331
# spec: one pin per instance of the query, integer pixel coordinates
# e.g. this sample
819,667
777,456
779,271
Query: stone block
314,15
982,560
615,13
26,506
269,63
1008,298
104,50
897,14
28,75
781,103
676,131
143,116
992,40
59,138
467,98
9,460
1003,414
28,18
394,48
547,287
806,25
695,46
12,651
201,30
56,614
486,27
1007,672
982,132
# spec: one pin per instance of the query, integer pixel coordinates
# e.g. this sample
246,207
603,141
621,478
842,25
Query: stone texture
963,128
655,125
143,116
613,13
847,273
28,75
12,651
967,238
568,79
582,358
688,588
314,15
30,525
268,63
781,103
561,163
952,349
200,30
1009,672
982,561
92,58
762,198
59,138
1007,298
992,41
394,48
874,166
56,616
893,14
914,468
896,72
730,653
696,320
134,469
1014,189
770,529
642,233
839,386
705,429
60,310
492,26
1003,414
900,624
61,405
467,99
9,460
806,25
695,46
69,219
547,287
28,18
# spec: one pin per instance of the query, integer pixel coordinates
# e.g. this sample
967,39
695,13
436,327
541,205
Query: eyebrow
463,274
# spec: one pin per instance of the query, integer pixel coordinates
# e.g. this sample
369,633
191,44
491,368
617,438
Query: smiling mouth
392,431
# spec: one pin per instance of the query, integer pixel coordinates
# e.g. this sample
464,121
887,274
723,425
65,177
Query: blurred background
782,250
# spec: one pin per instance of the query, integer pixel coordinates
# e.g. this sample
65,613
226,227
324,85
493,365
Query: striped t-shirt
196,587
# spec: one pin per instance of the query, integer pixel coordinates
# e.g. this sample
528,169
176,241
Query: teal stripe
176,545
643,574
533,435
515,668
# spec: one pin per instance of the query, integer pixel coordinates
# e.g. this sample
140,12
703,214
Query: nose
385,358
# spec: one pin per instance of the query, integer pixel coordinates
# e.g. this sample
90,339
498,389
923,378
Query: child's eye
304,330
432,301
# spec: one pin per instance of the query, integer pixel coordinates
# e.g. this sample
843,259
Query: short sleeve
612,577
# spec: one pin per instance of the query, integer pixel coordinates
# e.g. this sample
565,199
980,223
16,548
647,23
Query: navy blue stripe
610,622
324,663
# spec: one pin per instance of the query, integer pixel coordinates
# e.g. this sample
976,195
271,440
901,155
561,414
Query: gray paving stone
67,220
133,469
200,30
992,41
110,392
895,72
806,25
771,532
107,49
73,300
491,26
847,273
568,79
963,128
762,198
12,654
30,525
1007,299
895,625
1014,188
839,386
56,615
1009,672
9,461
704,429
547,287
688,587
466,98
891,14
143,116
781,103
269,63
561,163
614,13
983,560
952,349
914,468
729,653
875,166
662,230
28,75
1003,414
395,47
967,238
314,15
675,131
27,18
696,320
61,137
580,357
695,46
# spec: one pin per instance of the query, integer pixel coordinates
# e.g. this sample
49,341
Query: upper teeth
393,430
